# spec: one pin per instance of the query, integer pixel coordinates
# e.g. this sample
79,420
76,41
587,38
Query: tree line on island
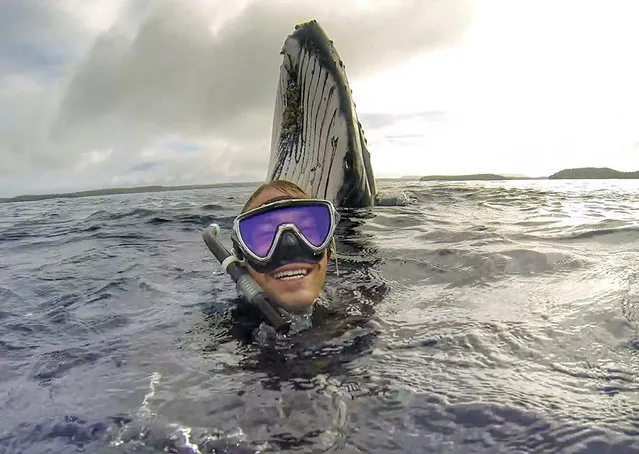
112,191
582,173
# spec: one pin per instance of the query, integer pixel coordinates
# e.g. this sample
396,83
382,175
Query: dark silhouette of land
602,173
581,173
112,191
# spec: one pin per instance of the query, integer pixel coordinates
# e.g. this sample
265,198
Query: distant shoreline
115,191
582,173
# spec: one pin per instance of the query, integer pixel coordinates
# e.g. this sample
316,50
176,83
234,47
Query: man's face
292,294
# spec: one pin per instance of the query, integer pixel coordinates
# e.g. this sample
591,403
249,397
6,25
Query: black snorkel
246,285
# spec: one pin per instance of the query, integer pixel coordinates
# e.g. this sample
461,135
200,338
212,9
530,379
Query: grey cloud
160,71
35,36
144,166
176,74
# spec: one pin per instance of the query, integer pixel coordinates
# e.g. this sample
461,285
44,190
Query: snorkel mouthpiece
248,289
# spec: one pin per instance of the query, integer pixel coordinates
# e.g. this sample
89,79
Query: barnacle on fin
292,116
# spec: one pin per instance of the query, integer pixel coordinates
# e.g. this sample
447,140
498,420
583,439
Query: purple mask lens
312,220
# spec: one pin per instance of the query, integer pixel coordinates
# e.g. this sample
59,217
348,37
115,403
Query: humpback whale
317,140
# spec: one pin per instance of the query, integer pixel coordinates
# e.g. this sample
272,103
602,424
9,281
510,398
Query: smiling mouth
290,275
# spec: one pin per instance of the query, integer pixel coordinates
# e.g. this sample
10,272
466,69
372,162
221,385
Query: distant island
600,173
581,173
112,191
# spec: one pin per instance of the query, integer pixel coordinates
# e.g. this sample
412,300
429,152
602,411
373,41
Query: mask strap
237,252
334,251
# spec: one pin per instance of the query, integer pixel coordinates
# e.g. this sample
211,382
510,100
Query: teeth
291,274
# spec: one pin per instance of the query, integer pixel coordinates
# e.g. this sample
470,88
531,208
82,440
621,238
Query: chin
295,286
296,305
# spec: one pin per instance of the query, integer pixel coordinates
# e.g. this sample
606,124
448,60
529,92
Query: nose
288,239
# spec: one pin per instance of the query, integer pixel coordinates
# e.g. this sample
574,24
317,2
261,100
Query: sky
114,93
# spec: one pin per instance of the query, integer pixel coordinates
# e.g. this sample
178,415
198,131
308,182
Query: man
285,239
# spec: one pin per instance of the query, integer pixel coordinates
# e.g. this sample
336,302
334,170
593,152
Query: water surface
480,317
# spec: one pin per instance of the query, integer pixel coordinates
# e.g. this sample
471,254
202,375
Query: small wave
123,433
103,215
100,215
71,429
9,298
630,302
431,423
462,267
17,234
633,231
158,221
6,347
122,236
55,364
382,222
200,219
212,207
91,228
443,235
492,205
197,222
140,213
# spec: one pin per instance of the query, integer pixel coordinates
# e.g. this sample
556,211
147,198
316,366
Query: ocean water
480,317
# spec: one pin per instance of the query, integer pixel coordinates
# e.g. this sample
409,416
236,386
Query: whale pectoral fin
317,141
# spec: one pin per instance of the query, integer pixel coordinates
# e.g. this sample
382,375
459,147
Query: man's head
296,282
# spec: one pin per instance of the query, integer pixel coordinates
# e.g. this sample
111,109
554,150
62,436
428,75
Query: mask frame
245,253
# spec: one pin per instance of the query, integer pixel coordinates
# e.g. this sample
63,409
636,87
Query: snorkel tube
246,285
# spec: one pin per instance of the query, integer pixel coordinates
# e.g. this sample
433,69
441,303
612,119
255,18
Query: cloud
379,120
175,73
170,68
29,33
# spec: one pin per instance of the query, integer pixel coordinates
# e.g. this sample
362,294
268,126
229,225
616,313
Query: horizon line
159,187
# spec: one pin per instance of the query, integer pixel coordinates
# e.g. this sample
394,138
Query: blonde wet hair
284,186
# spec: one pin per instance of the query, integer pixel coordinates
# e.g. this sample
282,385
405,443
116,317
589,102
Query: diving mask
285,231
